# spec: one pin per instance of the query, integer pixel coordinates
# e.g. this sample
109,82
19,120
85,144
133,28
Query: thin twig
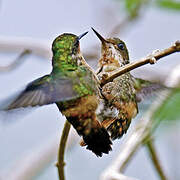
38,47
16,62
149,59
153,154
60,164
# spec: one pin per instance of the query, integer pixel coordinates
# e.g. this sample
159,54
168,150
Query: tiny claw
103,76
82,143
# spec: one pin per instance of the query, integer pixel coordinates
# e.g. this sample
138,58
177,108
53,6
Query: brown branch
16,62
150,59
153,154
60,164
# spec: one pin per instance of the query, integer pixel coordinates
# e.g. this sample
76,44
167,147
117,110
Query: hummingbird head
65,48
113,52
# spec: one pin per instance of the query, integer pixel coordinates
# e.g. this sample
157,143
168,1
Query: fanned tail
118,128
94,135
98,141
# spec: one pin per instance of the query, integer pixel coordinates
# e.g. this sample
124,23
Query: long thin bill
79,37
98,35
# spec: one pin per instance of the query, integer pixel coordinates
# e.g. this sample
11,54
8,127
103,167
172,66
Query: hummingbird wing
45,90
146,88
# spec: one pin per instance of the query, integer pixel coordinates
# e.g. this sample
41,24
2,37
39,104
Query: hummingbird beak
99,36
79,37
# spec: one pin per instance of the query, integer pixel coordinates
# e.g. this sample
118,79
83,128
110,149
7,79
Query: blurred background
144,26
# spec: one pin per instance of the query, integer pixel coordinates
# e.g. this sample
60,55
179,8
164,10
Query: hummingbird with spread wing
124,92
74,88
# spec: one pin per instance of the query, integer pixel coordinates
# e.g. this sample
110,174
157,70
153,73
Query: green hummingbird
74,88
124,92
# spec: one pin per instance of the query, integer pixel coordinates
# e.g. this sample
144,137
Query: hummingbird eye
121,46
76,43
75,47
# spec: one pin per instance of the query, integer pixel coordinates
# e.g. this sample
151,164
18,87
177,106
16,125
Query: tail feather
118,128
96,138
98,141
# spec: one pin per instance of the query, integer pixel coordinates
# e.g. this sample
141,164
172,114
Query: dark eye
76,43
121,46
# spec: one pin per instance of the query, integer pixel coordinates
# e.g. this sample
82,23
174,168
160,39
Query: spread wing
146,88
42,91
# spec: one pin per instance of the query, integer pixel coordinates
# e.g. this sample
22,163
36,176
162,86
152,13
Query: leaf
133,6
170,109
169,4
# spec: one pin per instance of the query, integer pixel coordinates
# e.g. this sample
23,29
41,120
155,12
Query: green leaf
169,4
170,109
133,6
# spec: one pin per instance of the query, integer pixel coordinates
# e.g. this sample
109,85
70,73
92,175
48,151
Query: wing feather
42,91
52,89
146,89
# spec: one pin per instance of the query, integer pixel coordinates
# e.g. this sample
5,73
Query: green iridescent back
65,57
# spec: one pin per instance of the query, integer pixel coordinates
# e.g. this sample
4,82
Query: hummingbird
124,92
74,88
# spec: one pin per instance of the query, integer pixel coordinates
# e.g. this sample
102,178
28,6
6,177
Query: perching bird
123,93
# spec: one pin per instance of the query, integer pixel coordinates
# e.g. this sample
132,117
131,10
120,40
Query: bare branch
60,164
38,47
113,175
150,59
153,154
138,135
19,60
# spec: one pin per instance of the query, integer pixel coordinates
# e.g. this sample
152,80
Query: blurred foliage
170,109
169,4
133,7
